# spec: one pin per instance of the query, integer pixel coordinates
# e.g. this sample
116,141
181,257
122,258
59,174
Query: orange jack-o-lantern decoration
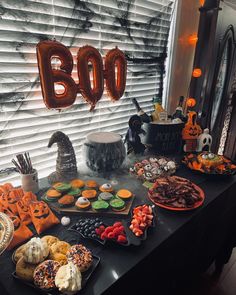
5,188
191,102
23,211
21,232
87,57
10,199
42,217
191,129
115,73
197,73
46,51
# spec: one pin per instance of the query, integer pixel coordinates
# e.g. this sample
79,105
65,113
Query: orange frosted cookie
89,193
77,183
124,194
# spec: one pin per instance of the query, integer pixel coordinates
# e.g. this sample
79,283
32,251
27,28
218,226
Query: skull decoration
204,141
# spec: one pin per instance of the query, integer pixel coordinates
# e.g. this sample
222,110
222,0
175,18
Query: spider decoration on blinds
66,167
132,138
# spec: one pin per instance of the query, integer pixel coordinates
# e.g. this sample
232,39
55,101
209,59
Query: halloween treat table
181,245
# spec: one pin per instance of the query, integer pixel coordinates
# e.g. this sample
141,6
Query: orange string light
197,73
192,39
191,102
202,2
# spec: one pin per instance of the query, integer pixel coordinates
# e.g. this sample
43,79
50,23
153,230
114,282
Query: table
182,245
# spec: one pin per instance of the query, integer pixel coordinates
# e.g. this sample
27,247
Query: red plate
196,205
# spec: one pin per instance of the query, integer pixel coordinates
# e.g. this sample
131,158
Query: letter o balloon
89,56
116,71
46,50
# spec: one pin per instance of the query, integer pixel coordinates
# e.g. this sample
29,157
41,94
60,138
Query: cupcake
89,193
62,187
124,194
105,196
106,187
91,184
66,201
77,183
100,205
117,204
76,192
52,195
82,203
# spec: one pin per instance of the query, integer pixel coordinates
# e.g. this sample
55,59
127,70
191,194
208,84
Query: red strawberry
103,236
111,235
121,228
117,224
108,229
117,231
122,239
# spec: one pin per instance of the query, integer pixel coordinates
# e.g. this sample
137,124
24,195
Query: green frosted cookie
117,204
63,187
76,192
100,205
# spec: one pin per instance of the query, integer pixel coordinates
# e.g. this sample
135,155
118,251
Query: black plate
85,277
144,236
130,237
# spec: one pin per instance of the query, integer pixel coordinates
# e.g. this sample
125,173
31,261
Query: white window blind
140,28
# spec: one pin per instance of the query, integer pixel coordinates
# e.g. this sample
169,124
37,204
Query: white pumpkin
36,251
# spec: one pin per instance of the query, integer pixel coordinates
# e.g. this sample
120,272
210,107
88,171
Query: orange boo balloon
88,54
115,82
46,50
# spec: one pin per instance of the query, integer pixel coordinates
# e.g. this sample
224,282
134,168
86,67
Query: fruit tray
86,227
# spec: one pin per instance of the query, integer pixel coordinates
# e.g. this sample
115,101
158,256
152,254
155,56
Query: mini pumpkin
42,217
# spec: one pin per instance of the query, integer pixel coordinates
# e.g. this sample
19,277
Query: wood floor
208,284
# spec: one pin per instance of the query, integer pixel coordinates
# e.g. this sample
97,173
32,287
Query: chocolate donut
80,256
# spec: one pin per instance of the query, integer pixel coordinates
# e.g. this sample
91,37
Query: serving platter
196,205
131,239
85,278
74,210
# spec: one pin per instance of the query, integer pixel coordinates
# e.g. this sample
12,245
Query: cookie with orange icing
82,203
89,193
77,183
106,188
91,184
124,194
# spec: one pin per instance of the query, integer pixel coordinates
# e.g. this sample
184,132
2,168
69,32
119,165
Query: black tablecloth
182,244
